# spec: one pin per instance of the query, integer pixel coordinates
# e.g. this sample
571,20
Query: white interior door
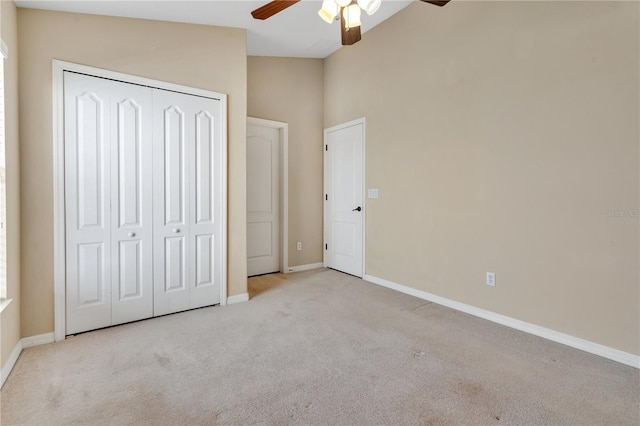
344,198
144,188
131,203
144,201
108,202
87,203
187,201
263,200
205,202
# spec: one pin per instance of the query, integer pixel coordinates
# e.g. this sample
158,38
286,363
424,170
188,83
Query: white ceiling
295,32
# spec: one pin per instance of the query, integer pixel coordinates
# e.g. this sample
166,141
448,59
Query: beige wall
10,317
291,90
499,135
205,57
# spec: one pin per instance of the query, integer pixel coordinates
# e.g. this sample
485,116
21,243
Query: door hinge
326,246
326,147
326,197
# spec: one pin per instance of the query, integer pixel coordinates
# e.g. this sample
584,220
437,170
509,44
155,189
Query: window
3,193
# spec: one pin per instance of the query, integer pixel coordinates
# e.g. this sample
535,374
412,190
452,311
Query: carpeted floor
317,347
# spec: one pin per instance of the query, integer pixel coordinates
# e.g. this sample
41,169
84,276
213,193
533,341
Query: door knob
357,209
176,230
132,234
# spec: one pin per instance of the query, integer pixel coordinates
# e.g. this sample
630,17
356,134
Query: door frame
59,232
284,185
341,126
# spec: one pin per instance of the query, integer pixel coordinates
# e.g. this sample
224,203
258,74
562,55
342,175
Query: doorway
267,196
344,209
105,220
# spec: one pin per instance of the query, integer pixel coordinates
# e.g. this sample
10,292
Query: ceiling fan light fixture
343,3
329,11
370,6
351,16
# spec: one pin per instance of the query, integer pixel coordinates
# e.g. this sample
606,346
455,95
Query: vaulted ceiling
297,31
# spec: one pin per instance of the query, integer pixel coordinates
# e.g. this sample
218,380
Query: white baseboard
25,342
8,366
546,333
40,339
304,267
4,302
238,298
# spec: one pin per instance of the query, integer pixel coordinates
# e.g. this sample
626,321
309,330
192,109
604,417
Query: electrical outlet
491,278
299,246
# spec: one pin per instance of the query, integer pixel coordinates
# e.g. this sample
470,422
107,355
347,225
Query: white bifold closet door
187,213
108,189
143,202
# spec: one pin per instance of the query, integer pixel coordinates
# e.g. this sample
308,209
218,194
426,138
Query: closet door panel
204,171
87,212
129,270
204,261
143,201
174,265
205,202
174,164
131,202
187,159
171,155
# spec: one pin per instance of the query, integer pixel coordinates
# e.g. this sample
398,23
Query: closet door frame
59,233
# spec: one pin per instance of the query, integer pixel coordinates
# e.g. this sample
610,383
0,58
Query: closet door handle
176,231
132,234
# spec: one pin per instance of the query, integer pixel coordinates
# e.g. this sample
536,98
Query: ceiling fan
349,12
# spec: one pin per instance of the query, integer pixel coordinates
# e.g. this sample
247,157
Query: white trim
536,330
59,233
4,303
24,343
11,362
4,50
364,195
58,173
308,267
129,78
355,122
238,298
284,184
40,339
225,200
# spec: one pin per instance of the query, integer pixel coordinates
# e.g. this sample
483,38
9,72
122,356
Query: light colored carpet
317,347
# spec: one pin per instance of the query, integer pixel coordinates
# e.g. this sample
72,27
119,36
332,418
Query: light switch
373,193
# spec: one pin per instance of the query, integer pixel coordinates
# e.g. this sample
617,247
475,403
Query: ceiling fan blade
271,8
349,35
437,2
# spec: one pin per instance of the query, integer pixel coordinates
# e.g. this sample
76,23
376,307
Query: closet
143,201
